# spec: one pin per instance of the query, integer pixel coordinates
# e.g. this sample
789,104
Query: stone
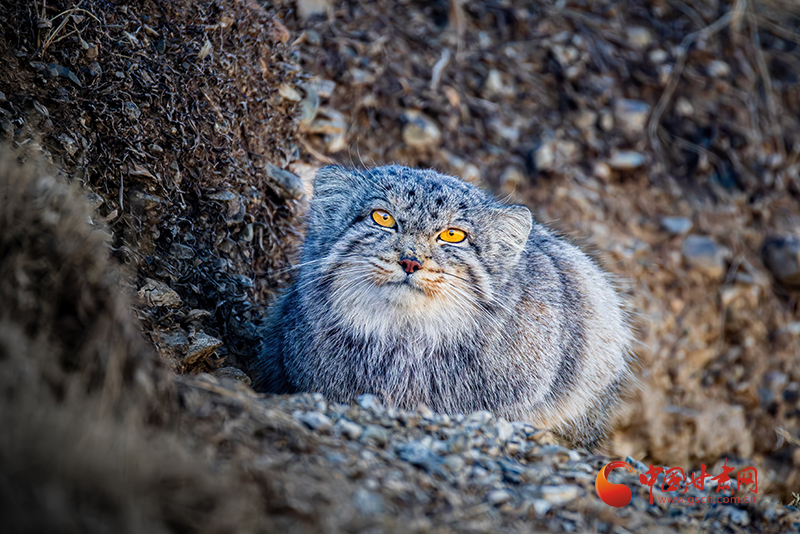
368,503
683,107
58,71
585,119
369,402
131,110
625,160
69,144
232,373
781,256
480,417
504,430
171,345
733,515
606,121
424,411
201,348
287,182
544,157
95,201
307,9
631,117
555,155
703,253
375,435
309,106
154,293
348,429
287,92
420,131
776,380
638,37
676,225
493,85
560,495
601,170
565,55
330,123
416,453
498,497
471,174
718,69
314,420
657,56
540,507
454,463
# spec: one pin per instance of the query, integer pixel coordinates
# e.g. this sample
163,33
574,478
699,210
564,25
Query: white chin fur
399,304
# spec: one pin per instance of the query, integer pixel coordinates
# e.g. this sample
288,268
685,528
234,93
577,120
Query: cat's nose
410,265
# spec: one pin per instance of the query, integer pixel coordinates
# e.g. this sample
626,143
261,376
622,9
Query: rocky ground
661,135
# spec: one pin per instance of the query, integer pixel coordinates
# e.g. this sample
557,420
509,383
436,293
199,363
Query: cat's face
394,245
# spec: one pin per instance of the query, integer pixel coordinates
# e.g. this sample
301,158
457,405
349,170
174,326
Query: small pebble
560,495
625,160
417,453
368,503
540,507
369,402
638,37
631,116
498,497
420,131
676,225
782,257
131,110
375,435
481,417
348,429
705,254
201,348
315,420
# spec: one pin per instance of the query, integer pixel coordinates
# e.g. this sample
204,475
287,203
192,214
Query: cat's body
509,318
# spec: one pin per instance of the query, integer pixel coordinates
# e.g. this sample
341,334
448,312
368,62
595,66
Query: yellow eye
452,235
383,219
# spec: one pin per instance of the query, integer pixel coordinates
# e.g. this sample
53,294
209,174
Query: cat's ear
514,224
334,181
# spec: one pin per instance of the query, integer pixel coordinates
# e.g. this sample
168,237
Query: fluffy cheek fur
371,292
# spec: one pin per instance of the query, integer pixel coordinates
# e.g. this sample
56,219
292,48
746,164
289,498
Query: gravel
456,470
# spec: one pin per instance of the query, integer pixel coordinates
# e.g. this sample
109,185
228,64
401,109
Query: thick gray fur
513,320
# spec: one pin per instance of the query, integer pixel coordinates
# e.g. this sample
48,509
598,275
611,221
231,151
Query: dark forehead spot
439,201
462,206
410,193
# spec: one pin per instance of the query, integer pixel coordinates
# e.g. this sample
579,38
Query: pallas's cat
420,288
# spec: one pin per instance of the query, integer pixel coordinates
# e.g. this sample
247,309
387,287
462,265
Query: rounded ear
333,180
515,223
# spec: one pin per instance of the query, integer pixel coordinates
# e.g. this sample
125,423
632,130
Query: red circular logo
617,495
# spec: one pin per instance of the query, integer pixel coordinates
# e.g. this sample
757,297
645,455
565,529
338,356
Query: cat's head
410,244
